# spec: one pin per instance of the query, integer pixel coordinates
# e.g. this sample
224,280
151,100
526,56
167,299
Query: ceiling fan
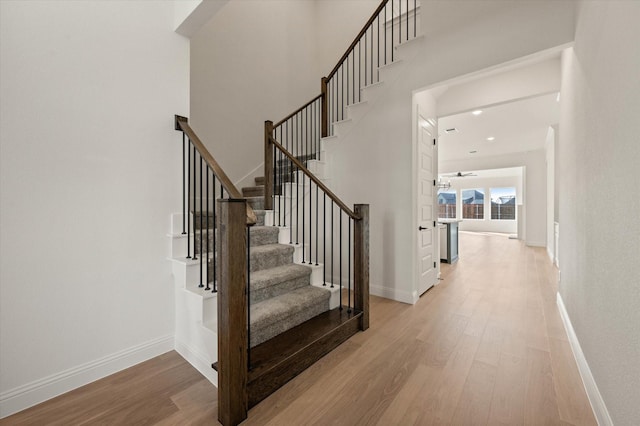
460,174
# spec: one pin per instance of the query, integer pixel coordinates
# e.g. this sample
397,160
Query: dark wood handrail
357,39
215,168
317,181
298,110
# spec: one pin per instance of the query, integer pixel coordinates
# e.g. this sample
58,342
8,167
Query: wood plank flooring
485,347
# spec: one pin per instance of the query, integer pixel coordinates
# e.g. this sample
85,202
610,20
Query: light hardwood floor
485,347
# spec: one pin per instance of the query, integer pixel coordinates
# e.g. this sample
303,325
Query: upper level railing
392,23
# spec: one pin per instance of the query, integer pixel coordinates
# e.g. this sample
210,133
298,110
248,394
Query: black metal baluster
324,240
201,260
310,219
313,129
189,201
371,55
340,252
347,61
365,58
195,189
249,297
184,190
297,204
353,75
316,225
291,202
359,70
415,22
378,56
342,91
215,251
392,21
335,94
332,248
399,21
283,189
349,267
207,223
273,185
303,215
407,8
385,34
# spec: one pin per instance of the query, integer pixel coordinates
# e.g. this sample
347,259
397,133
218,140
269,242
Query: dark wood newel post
324,120
232,311
361,262
268,165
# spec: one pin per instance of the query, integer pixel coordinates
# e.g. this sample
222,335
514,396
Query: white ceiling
517,126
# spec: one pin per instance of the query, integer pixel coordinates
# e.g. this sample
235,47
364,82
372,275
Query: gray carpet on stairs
281,313
281,296
273,282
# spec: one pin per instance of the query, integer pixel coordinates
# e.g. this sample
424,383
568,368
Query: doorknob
421,228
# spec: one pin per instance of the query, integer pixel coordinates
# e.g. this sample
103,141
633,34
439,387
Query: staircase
291,265
283,293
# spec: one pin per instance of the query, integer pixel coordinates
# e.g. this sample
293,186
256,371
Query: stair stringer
196,338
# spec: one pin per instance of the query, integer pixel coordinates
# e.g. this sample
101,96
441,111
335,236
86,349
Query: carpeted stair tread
256,203
260,235
253,191
259,180
270,256
263,235
278,314
273,282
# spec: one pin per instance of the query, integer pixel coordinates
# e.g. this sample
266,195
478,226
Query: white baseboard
394,294
597,403
536,243
198,361
30,394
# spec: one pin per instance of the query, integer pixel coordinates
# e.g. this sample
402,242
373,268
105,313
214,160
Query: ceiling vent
451,130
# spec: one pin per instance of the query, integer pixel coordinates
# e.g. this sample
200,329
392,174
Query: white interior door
427,251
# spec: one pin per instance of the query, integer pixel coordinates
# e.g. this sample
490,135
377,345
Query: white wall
485,184
89,176
534,198
550,149
337,23
599,183
253,61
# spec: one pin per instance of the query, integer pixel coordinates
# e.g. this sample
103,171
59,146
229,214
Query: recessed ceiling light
473,152
491,138
477,112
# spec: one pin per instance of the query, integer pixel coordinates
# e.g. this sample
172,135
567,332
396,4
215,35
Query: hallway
486,346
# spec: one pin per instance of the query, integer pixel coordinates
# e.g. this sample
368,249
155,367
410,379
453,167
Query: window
447,204
473,204
503,203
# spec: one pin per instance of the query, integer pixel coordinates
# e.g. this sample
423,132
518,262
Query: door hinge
434,141
434,264
434,182
434,223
